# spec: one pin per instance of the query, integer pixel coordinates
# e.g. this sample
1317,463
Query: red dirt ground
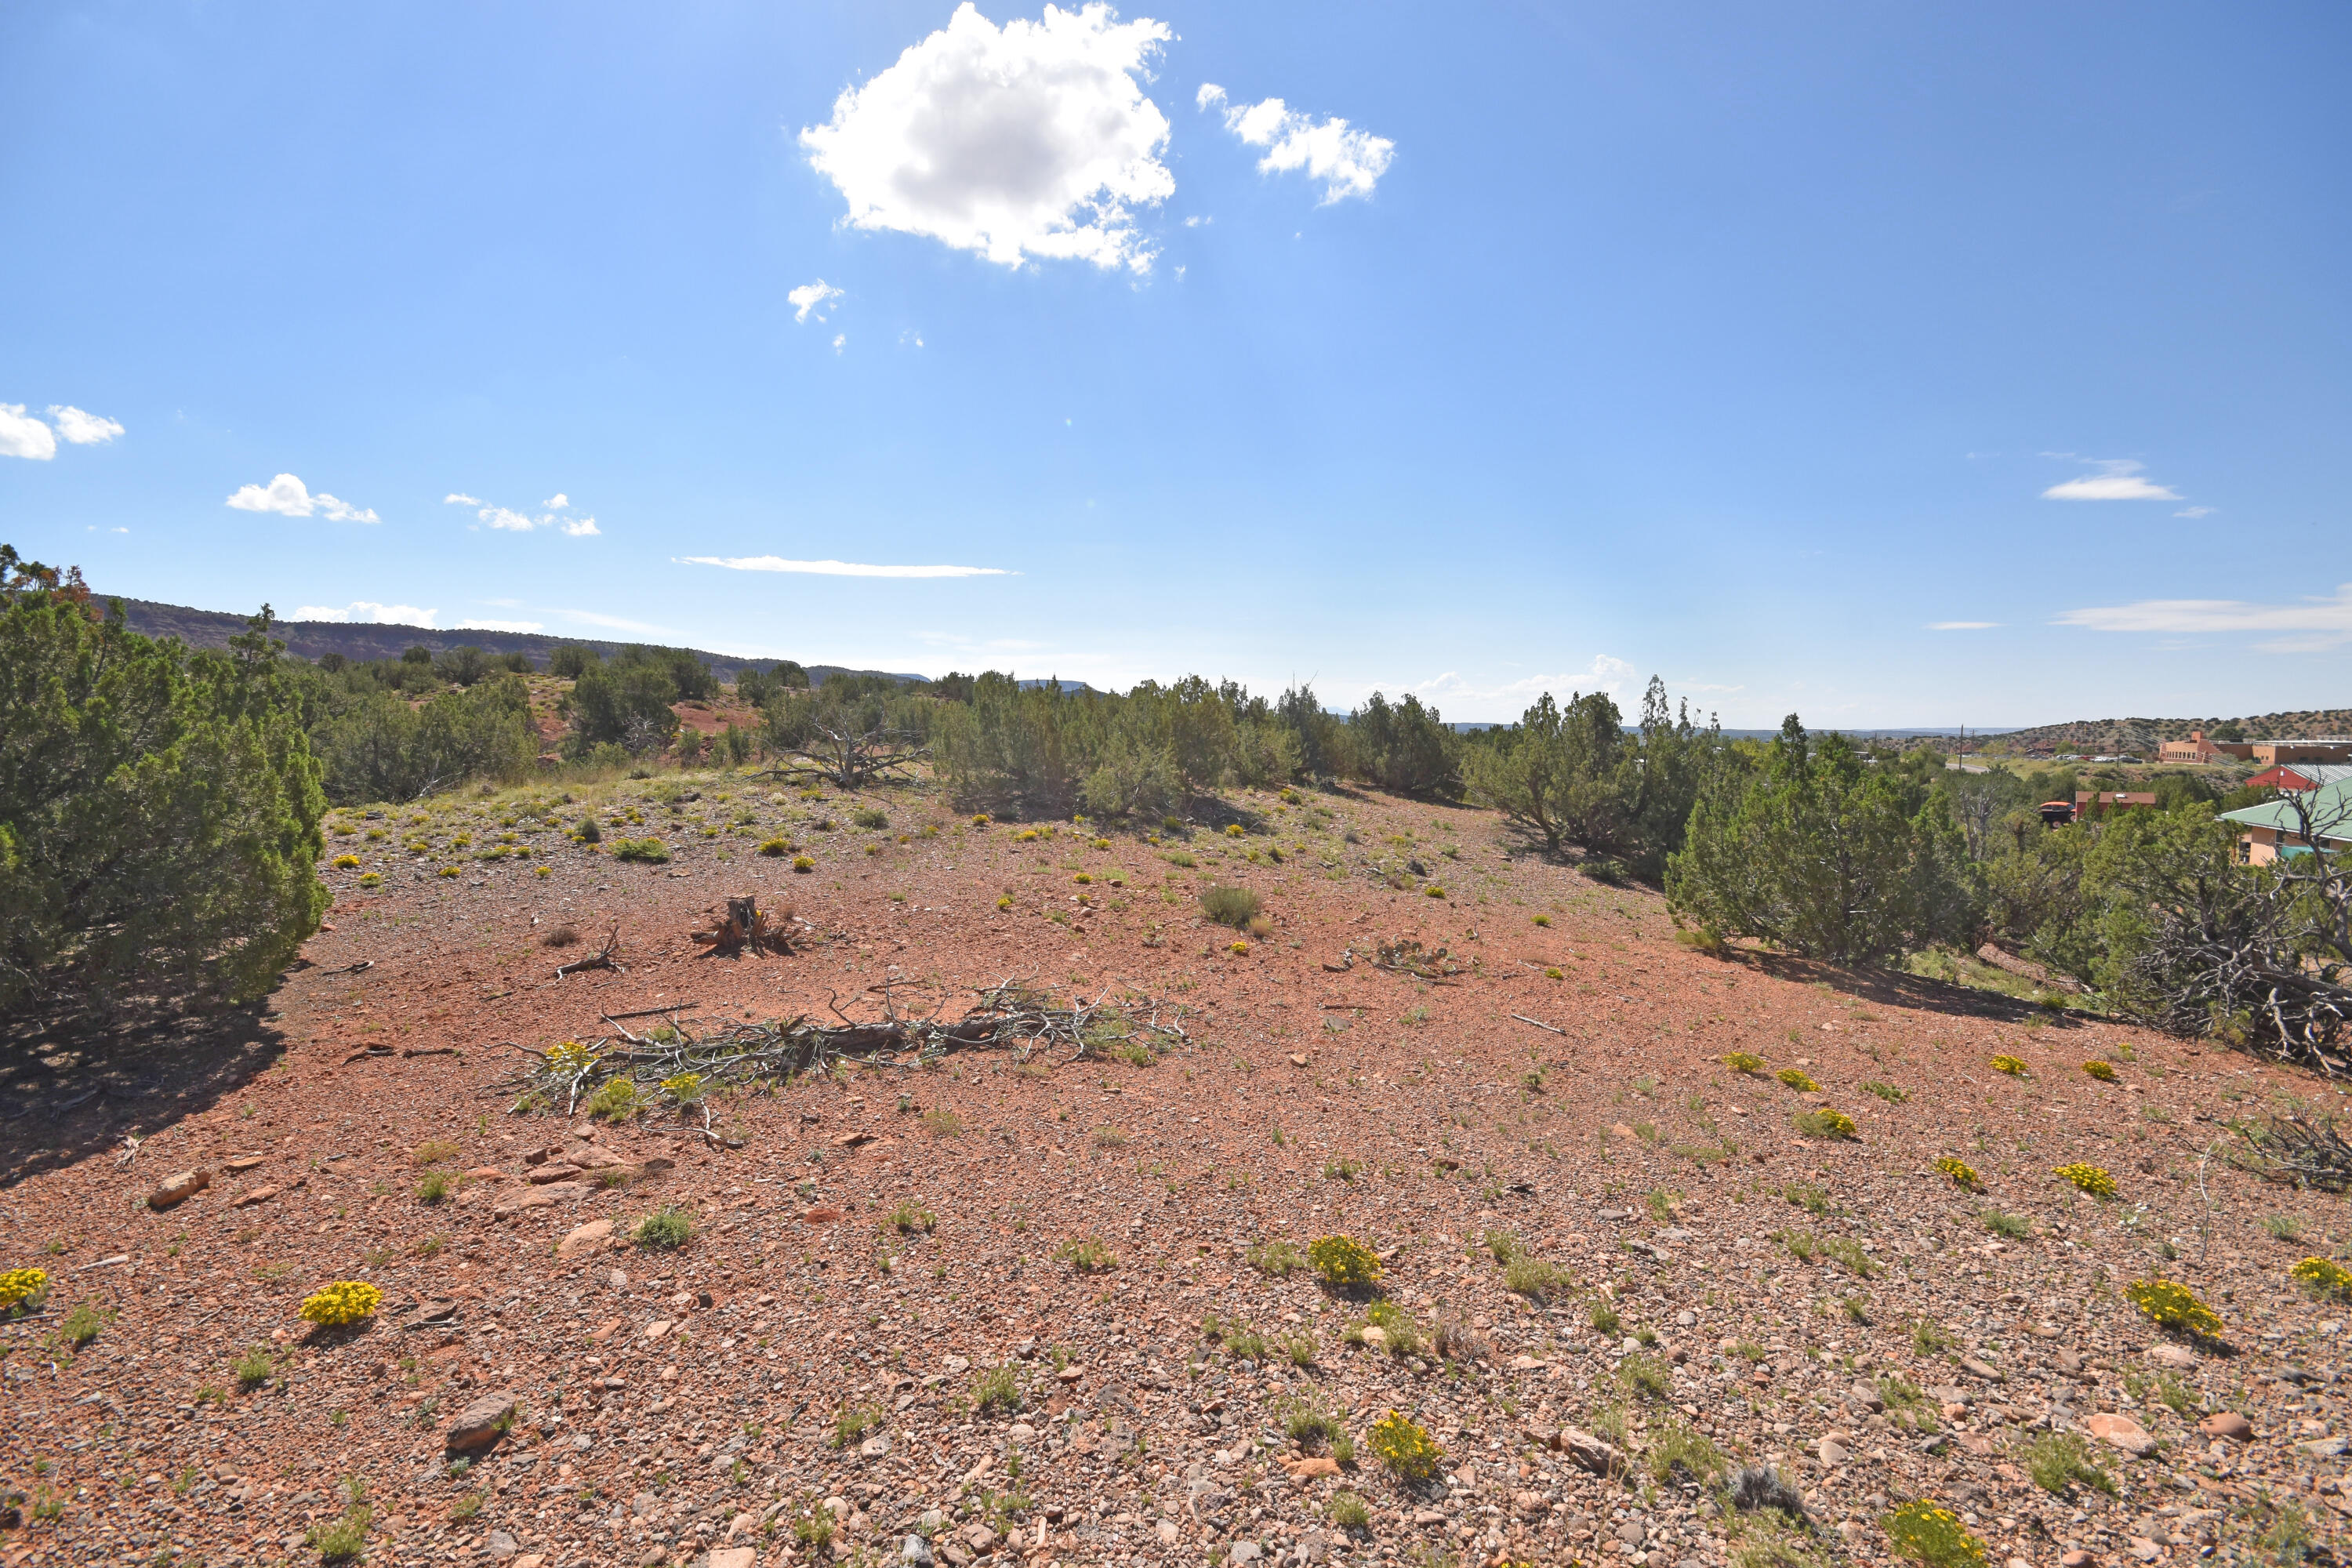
683,1406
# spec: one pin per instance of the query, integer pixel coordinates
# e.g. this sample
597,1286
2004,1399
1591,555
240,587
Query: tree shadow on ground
71,1086
1896,988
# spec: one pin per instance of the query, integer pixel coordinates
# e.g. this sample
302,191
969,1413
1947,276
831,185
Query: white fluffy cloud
1034,139
508,520
1349,161
366,613
2314,625
287,496
1606,673
23,435
83,428
837,568
2118,478
479,625
812,298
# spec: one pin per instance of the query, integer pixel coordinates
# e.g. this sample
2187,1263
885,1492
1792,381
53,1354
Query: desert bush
2060,1459
1603,1317
666,1228
1347,1511
2320,1276
1312,1429
1825,856
615,1099
1932,1535
1087,1255
650,851
2087,1178
1399,1443
998,1389
1574,775
22,1288
1825,1122
2101,1071
871,817
2014,1227
1278,1259
1678,1453
1535,1279
1744,1061
252,1369
158,807
84,1324
1798,1079
1235,907
432,1152
345,1302
2011,1065
910,1217
2173,1306
853,1422
1342,1260
1404,747
1647,1376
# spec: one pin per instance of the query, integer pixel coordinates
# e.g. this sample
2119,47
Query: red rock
2227,1424
481,1424
258,1195
178,1189
2121,1431
822,1217
1307,1470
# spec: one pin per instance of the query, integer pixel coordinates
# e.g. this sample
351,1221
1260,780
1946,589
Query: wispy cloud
837,568
366,611
1962,625
1032,140
615,623
2117,478
288,497
82,428
1606,673
1349,161
813,298
2194,511
507,519
2313,625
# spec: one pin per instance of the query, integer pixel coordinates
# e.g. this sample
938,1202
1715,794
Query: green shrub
159,806
615,1099
852,1423
1645,1375
871,817
1346,1511
651,851
668,1228
1343,1260
1799,1081
1235,907
1087,1255
1678,1453
2017,1227
435,1188
1825,856
1604,1319
1825,1122
1245,1344
1278,1258
432,1152
1534,1278
998,1389
2062,1459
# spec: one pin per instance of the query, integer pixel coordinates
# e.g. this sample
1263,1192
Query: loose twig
599,959
1538,1023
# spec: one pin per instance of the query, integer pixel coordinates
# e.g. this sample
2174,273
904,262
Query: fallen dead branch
602,959
2298,1148
683,1061
1538,1023
1409,957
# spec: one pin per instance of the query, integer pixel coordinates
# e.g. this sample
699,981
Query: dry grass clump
1235,907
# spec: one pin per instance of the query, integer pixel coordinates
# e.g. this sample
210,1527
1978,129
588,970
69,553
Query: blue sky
1517,347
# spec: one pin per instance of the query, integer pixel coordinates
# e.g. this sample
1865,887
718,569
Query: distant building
2331,749
2198,749
2292,776
2085,801
2274,830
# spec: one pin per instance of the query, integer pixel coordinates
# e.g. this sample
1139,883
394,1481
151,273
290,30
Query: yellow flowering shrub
345,1301
1959,1172
1797,1079
1930,1533
1401,1444
569,1057
1744,1061
2010,1064
346,862
20,1285
2172,1306
1825,1122
686,1088
2101,1071
2087,1178
1343,1260
2321,1276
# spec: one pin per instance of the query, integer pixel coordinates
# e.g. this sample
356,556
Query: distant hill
2140,735
213,628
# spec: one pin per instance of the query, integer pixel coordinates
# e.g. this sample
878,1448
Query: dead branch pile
2299,1148
1409,957
741,923
686,1058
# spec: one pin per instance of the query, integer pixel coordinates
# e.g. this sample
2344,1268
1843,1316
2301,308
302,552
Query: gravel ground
876,1329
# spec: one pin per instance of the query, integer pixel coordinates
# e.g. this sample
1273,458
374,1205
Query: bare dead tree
2262,956
850,758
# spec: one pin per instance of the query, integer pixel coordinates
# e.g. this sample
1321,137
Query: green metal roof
2330,806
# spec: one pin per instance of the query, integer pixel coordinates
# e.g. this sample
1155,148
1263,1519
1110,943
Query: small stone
243,1162
2146,1551
2078,1558
955,1363
1021,1432
1630,1533
875,1447
1167,1532
1589,1451
2228,1424
501,1545
1425,1516
915,1552
1307,1468
258,1195
1530,1505
595,1233
541,1175
178,1189
1977,1368
1376,1336
2326,1448
1070,1374
2172,1355
734,1556
979,1537
1866,1395
658,1326
481,1423
1246,1552
1832,1452
2123,1432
